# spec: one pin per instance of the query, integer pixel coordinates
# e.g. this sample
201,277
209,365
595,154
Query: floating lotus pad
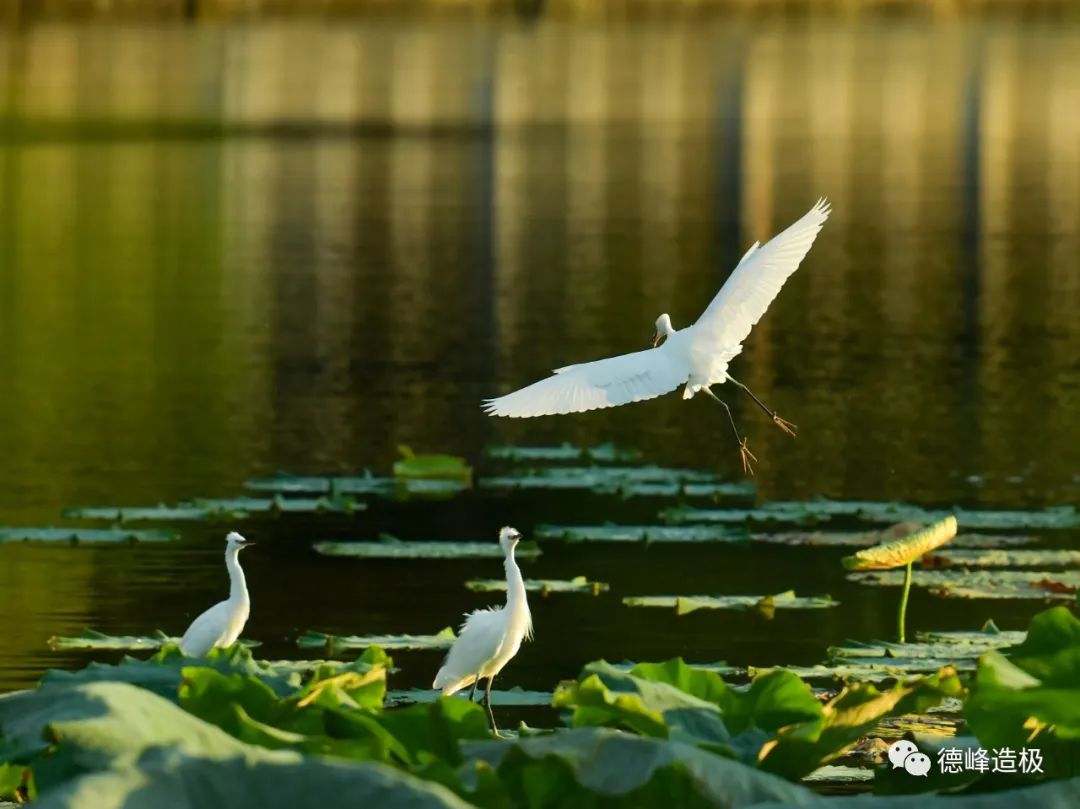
79,536
89,639
626,480
512,696
317,640
687,604
866,539
396,549
994,558
604,453
640,533
578,584
161,513
391,488
812,511
900,552
219,509
93,640
997,584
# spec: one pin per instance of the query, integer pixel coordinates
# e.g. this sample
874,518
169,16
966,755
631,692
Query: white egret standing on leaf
490,637
695,357
222,624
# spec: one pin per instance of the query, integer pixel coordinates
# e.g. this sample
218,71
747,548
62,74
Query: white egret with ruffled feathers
490,637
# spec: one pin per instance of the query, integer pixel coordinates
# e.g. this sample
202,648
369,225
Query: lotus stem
903,601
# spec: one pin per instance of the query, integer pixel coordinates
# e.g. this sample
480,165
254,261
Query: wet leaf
445,467
996,584
344,486
814,511
89,639
578,584
1029,696
604,453
640,533
687,604
900,552
509,697
1003,558
598,767
866,539
628,481
396,549
280,505
78,536
317,640
161,513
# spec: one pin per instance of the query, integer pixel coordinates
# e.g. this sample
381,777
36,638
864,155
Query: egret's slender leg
472,694
783,424
744,452
487,704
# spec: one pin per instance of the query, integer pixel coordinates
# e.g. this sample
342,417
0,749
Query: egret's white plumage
696,356
490,637
222,624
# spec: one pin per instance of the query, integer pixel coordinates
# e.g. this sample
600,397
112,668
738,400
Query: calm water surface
229,251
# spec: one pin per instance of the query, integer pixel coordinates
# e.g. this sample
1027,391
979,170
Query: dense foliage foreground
232,731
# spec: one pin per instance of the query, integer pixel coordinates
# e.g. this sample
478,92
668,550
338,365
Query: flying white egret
222,624
490,637
695,357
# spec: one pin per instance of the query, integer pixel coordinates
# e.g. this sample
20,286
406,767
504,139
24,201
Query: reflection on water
218,258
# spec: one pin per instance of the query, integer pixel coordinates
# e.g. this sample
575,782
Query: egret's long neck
515,584
237,582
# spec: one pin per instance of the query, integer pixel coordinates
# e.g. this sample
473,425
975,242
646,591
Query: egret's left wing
755,282
593,385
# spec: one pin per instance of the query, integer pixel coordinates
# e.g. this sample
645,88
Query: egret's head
235,541
663,329
509,538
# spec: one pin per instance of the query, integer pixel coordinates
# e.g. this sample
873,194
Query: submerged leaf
902,552
317,640
396,549
768,603
89,536
578,584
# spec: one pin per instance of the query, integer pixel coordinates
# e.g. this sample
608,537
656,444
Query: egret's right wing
205,631
755,282
593,385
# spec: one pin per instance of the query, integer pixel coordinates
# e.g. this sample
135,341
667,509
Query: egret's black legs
472,694
783,424
487,704
746,455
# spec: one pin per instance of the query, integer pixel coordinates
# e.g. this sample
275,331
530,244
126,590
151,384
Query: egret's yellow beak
656,339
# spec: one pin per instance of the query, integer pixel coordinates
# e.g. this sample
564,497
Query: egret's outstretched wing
754,283
592,385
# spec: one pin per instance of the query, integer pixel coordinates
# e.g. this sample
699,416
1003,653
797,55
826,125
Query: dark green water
228,251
